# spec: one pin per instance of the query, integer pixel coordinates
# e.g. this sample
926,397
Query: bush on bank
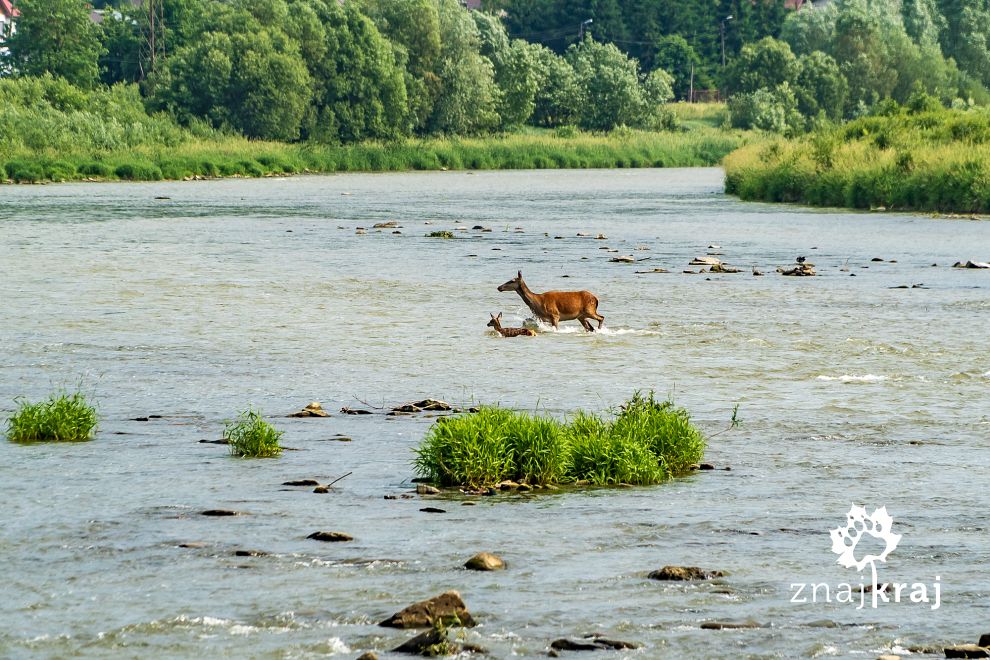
932,160
647,442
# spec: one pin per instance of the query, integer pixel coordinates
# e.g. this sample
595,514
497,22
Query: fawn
508,332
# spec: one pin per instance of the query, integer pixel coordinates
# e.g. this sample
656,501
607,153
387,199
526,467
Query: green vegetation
252,436
646,442
906,158
63,418
440,234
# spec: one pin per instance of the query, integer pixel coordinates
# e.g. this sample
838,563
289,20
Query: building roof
7,8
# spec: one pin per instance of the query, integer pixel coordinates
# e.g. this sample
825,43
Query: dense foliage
252,437
63,417
646,442
918,157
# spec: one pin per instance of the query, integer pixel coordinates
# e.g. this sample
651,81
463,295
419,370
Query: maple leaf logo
878,525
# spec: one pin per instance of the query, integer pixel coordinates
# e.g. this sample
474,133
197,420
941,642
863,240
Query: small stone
729,625
448,608
706,466
508,485
705,261
426,643
432,509
629,259
391,497
425,489
322,489
330,537
601,237
468,503
967,651
391,224
681,573
524,487
192,544
250,553
369,655
876,259
139,419
485,561
888,656
220,512
571,645
354,411
313,409
301,482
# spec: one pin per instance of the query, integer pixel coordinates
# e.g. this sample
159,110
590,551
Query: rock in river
681,573
313,409
447,608
967,651
485,561
330,537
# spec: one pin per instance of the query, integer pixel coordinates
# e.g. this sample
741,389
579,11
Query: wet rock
706,466
354,411
876,259
967,651
391,224
391,497
571,645
629,259
301,482
705,261
330,537
888,656
250,553
314,409
971,264
683,573
447,608
432,405
601,237
425,489
655,270
139,419
432,509
757,273
478,227
322,489
468,503
485,561
800,270
984,640
369,655
524,488
430,643
730,625
722,268
508,485
615,644
193,544
222,441
219,512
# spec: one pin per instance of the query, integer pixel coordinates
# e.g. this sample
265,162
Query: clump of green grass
440,234
646,442
63,417
250,435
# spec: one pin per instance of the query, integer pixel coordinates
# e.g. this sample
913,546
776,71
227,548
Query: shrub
63,418
25,172
440,234
252,436
138,171
96,169
646,443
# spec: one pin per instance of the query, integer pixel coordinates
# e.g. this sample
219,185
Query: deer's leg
587,324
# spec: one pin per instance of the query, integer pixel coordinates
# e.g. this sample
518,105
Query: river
197,300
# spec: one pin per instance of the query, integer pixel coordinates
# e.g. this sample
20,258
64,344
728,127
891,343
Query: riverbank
927,161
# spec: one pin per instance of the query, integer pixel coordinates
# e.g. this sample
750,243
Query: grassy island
646,442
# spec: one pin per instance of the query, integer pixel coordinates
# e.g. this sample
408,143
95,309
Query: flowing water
194,301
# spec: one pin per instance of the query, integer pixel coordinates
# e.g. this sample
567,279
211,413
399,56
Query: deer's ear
499,315
519,274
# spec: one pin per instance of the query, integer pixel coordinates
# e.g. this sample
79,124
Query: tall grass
63,417
251,436
647,442
934,161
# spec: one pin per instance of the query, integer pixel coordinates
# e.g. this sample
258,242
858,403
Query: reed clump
251,436
931,160
645,442
64,417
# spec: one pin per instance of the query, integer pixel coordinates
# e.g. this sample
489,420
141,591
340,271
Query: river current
197,300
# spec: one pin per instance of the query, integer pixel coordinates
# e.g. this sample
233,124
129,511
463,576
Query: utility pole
581,29
155,36
722,32
691,93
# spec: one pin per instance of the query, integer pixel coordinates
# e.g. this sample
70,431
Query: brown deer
555,306
508,332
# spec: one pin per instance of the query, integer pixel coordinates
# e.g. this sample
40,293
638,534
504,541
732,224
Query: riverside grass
926,161
252,437
647,442
64,417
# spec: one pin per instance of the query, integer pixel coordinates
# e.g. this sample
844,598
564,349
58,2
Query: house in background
7,16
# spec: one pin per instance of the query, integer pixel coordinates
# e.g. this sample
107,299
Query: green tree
515,74
820,87
676,56
122,38
765,64
559,96
609,82
811,29
56,37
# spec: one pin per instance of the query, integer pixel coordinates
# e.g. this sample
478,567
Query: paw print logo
878,525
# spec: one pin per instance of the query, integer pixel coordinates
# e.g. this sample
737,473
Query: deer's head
514,284
494,323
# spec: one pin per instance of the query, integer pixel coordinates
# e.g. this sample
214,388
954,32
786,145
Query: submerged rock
301,482
485,561
432,405
314,409
432,509
220,512
447,608
730,625
683,573
426,489
967,651
800,270
354,411
330,537
705,261
971,264
722,268
368,655
629,259
593,642
391,224
655,270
